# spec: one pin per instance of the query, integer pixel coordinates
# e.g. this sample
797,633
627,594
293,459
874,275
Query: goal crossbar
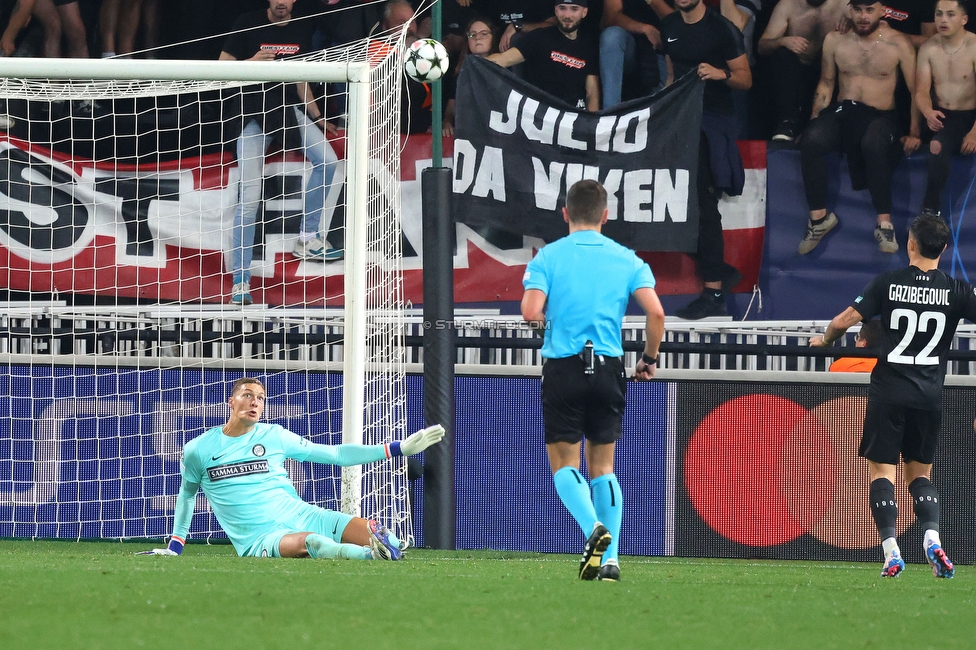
175,70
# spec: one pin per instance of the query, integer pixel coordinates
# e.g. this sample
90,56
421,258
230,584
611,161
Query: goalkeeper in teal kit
240,467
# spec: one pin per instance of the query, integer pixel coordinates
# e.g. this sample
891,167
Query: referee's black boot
709,303
593,550
609,572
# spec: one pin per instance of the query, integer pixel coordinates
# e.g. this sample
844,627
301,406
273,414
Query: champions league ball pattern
426,60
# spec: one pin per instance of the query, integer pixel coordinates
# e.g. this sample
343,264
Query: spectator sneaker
941,566
886,238
596,545
609,572
240,294
705,305
893,566
316,250
381,543
785,132
816,232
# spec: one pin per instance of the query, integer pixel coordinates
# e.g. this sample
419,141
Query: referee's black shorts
891,431
576,405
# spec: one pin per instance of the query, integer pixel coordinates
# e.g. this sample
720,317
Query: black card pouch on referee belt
588,358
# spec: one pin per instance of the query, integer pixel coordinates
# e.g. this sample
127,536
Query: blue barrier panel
88,453
505,495
708,467
822,283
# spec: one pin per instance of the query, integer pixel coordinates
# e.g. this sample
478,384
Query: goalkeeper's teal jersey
245,481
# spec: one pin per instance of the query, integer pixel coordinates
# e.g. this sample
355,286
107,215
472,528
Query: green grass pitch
101,595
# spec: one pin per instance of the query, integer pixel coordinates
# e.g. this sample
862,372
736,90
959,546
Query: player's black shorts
955,126
576,405
891,431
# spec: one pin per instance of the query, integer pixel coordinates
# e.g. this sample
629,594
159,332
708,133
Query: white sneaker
316,250
240,294
815,233
6,122
885,237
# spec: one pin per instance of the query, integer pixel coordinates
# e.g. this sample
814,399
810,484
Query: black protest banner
517,150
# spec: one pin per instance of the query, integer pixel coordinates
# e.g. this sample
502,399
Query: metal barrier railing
484,337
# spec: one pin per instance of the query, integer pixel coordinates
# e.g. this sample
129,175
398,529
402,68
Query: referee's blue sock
608,501
320,546
575,495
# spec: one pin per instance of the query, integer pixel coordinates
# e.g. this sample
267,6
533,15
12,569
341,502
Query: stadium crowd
782,38
821,75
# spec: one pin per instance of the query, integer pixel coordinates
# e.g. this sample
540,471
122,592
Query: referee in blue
577,289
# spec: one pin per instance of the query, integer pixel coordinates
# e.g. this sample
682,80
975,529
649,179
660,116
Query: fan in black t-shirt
561,60
919,309
288,112
712,40
914,18
257,36
699,40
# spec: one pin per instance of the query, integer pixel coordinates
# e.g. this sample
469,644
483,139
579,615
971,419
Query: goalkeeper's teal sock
575,495
608,501
319,546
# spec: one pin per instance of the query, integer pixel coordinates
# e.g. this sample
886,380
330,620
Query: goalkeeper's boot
941,566
379,541
596,545
610,572
893,566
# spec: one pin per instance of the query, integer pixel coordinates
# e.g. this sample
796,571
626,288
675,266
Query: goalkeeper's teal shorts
327,523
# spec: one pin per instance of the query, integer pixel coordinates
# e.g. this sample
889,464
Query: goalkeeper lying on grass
240,467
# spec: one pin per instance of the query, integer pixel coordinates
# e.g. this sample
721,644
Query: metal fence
175,334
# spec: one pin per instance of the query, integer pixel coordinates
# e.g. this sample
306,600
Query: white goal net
134,204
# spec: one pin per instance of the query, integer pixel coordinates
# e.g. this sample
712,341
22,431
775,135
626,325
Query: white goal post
367,313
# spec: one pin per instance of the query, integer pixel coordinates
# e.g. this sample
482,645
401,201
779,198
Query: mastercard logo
762,470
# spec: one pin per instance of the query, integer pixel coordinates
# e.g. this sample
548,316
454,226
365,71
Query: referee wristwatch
651,361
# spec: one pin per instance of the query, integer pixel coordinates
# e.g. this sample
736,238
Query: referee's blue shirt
588,279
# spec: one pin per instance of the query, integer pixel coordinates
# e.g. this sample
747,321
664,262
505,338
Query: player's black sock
925,501
883,507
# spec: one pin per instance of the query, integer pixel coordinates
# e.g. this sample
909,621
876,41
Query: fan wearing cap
561,60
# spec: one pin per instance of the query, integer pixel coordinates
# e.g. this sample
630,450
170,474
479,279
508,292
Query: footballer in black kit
920,311
919,308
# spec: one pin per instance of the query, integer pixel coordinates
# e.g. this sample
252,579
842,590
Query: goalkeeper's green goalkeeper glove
175,547
417,442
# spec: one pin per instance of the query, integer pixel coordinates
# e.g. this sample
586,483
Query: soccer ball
426,60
